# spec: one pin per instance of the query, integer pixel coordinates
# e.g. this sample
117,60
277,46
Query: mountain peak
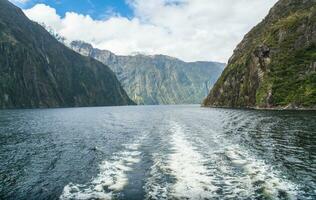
158,79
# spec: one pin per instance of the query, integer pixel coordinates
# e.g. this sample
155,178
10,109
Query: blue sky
192,30
97,9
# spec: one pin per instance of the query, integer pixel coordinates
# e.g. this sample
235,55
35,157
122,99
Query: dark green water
157,152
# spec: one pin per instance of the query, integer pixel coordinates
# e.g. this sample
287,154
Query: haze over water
157,152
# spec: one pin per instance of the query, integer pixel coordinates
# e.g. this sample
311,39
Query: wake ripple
111,178
193,170
186,165
258,179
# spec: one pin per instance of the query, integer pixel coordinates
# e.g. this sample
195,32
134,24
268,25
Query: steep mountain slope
157,79
38,71
275,64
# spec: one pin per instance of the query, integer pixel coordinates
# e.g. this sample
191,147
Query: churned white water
182,171
157,152
157,184
185,165
193,179
111,178
222,172
258,175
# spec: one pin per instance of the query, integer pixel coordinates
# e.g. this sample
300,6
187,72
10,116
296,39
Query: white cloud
44,14
19,1
187,29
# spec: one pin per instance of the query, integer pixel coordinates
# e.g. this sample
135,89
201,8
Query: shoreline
263,109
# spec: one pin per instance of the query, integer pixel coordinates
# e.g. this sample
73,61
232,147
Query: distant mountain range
38,71
275,65
157,79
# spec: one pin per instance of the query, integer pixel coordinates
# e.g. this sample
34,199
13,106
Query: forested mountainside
275,64
38,71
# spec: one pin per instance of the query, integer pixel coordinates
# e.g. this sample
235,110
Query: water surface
157,152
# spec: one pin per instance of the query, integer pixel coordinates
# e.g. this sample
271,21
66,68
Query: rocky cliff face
275,64
157,79
38,71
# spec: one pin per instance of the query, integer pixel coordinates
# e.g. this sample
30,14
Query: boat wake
256,178
184,170
192,171
111,178
188,169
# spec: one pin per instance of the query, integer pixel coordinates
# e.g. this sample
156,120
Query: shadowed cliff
38,71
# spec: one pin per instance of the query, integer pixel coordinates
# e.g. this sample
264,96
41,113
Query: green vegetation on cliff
158,79
38,71
275,64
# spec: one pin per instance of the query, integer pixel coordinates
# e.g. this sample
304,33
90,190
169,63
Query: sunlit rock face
157,79
274,65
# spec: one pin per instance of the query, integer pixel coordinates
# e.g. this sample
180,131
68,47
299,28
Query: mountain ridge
37,71
157,79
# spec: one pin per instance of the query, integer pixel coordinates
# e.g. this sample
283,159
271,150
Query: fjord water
157,152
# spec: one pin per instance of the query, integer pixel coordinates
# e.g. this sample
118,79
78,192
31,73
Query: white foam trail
112,177
193,180
157,187
260,176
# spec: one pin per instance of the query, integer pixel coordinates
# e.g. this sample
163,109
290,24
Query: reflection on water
157,152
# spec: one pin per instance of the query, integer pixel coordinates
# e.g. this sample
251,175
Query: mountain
157,79
38,71
275,64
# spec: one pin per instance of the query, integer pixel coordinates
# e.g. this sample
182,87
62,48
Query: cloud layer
188,29
19,1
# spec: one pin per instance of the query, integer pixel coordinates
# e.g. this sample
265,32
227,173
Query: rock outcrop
157,79
38,71
274,66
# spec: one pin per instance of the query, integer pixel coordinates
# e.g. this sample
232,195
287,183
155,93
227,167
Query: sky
192,30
